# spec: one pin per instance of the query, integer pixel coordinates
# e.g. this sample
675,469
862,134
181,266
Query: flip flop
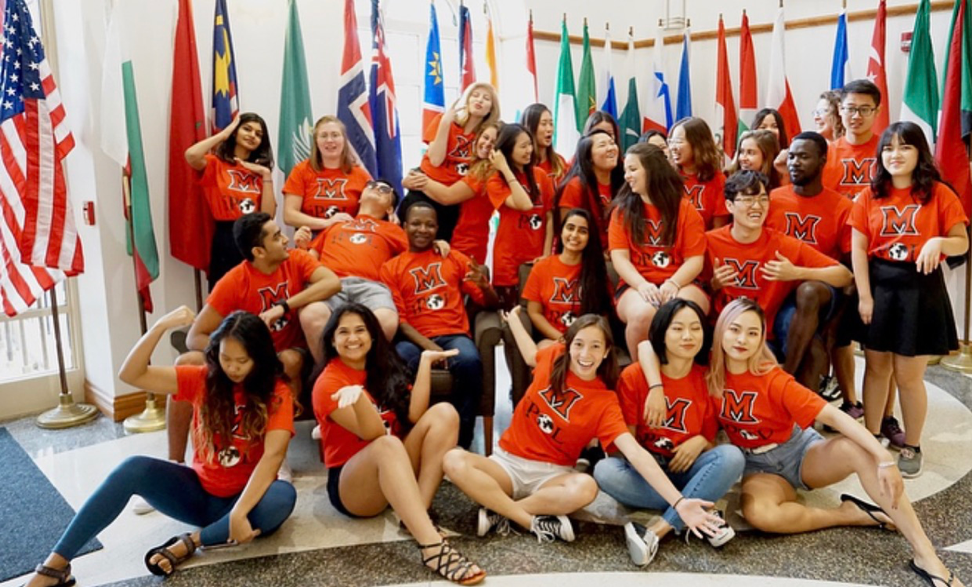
868,508
929,578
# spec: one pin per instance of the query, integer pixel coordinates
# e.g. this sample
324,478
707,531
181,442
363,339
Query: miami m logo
694,194
269,295
675,417
242,182
331,189
653,232
857,172
361,225
427,278
745,272
562,402
801,228
565,292
462,149
738,407
899,222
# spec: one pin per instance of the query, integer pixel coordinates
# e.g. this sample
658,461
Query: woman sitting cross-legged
242,423
530,478
679,432
382,442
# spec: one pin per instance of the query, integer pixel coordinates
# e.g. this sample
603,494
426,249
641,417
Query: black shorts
334,493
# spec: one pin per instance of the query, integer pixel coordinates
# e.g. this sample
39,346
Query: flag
226,99
748,93
353,109
39,242
875,68
433,103
778,94
531,57
630,121
658,111
384,106
294,139
467,73
951,150
609,103
586,97
839,64
920,103
190,220
491,51
121,139
683,107
566,132
724,101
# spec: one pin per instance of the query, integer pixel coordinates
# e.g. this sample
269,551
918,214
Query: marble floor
320,546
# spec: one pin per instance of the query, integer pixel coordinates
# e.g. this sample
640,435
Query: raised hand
256,168
181,316
433,357
780,270
347,395
723,276
477,274
302,238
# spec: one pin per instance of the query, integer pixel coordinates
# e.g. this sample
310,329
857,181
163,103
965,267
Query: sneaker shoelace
908,453
545,529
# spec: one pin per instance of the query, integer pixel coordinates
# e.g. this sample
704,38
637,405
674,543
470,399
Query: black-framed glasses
864,111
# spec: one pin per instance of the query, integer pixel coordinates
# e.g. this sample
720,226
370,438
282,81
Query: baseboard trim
119,407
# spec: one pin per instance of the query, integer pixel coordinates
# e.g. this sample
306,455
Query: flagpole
196,274
152,417
962,362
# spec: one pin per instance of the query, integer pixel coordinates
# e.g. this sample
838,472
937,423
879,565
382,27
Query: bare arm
416,337
528,348
518,199
136,370
782,269
440,144
293,216
419,401
361,419
540,322
196,154
621,258
205,323
274,452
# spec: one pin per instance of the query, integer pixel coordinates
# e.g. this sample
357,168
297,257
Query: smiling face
545,130
857,113
351,339
824,118
742,337
575,233
480,102
685,335
635,175
769,123
249,135
750,155
899,158
234,360
421,225
522,150
749,211
486,142
604,152
587,352
330,141
680,149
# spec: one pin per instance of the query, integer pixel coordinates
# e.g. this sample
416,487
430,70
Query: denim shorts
786,460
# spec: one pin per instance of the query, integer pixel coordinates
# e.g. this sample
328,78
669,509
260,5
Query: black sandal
870,509
63,576
174,560
451,564
928,577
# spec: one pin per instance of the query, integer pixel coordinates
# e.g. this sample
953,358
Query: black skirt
912,313
224,254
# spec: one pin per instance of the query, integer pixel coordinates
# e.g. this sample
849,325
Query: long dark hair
596,118
925,174
758,120
505,142
705,153
663,319
218,409
607,370
262,155
583,169
665,188
531,120
593,280
386,374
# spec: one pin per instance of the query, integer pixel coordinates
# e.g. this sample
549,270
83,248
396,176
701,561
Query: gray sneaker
642,543
547,528
909,463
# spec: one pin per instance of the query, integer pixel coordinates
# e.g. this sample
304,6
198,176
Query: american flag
39,243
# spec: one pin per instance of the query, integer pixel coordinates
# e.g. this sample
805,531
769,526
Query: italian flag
566,133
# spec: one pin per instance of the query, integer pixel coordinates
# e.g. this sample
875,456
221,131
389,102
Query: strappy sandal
929,578
174,560
63,576
870,509
451,564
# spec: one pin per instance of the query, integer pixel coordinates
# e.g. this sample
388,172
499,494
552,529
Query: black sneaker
829,388
547,528
588,458
489,520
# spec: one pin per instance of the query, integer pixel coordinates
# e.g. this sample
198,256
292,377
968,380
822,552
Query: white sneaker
548,528
285,473
140,507
489,520
642,543
316,432
725,533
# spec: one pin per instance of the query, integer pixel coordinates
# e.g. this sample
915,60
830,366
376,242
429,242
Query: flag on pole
531,57
951,150
353,109
190,221
566,131
778,94
491,50
658,110
586,90
121,139
683,107
724,101
920,103
384,106
294,140
630,121
226,100
433,103
468,67
876,70
39,242
748,93
840,64
609,103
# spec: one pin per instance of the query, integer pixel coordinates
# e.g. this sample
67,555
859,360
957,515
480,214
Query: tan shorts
527,475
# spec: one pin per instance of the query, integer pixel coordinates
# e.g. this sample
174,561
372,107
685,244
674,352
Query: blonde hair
481,169
348,160
494,112
768,145
762,361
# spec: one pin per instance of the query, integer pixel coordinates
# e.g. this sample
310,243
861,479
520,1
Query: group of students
768,255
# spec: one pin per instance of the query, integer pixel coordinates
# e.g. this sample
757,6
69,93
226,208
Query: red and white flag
748,101
531,57
876,70
724,101
778,94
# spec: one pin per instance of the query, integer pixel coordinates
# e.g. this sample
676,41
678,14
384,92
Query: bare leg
388,319
811,296
313,319
695,294
892,394
562,495
435,433
909,373
877,375
293,362
178,415
486,483
636,314
844,367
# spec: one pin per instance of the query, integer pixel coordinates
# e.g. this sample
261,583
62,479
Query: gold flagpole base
962,362
151,419
934,359
67,414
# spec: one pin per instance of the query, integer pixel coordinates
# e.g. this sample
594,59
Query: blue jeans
709,478
467,373
174,490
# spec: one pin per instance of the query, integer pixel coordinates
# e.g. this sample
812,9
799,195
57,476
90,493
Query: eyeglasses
383,188
748,201
864,111
821,112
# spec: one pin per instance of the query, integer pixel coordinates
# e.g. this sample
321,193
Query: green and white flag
566,130
294,140
920,104
586,88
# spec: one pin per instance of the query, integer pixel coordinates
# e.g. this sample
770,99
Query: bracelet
650,387
887,465
677,286
678,501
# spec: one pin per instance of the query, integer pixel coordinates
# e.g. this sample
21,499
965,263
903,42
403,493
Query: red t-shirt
759,410
655,262
547,167
359,247
328,191
821,221
428,291
898,226
471,235
245,287
520,235
555,429
708,197
850,168
459,153
747,260
234,461
575,196
690,410
230,189
554,285
337,442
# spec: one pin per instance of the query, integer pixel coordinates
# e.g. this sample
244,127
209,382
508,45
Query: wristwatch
283,304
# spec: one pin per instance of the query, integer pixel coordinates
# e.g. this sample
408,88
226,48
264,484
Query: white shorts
527,475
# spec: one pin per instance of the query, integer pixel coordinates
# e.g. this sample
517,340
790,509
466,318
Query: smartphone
219,546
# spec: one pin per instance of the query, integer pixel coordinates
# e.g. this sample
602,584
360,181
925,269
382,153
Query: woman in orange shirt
694,154
237,178
757,151
592,181
538,120
382,442
325,188
771,120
